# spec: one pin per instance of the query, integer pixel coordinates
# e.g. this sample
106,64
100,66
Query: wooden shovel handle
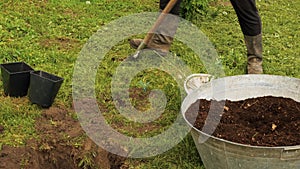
161,17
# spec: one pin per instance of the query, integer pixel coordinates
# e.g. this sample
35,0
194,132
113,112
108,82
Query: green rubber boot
254,54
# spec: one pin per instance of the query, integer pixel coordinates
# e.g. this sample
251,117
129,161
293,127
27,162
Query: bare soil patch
62,144
62,43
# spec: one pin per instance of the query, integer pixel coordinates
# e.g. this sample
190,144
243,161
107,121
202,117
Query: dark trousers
246,12
248,16
176,8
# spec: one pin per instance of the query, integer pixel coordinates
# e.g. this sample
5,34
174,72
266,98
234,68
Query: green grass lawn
48,35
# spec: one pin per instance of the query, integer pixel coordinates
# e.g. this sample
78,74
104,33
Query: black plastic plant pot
43,88
16,78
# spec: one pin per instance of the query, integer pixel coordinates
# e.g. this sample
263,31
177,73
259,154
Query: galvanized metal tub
218,153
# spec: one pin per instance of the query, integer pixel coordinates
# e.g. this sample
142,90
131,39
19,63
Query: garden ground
48,35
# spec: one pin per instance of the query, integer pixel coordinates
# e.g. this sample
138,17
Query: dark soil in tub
262,121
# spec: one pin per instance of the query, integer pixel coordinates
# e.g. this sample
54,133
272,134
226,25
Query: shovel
159,20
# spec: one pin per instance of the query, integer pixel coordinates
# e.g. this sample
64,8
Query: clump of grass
17,116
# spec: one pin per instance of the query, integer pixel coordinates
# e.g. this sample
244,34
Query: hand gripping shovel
159,20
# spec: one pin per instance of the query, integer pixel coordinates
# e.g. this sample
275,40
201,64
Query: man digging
249,20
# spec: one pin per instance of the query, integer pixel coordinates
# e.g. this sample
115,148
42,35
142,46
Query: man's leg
251,26
163,36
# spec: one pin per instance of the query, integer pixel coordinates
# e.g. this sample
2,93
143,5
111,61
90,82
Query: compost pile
262,121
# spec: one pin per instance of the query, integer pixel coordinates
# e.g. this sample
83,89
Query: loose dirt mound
62,144
264,121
